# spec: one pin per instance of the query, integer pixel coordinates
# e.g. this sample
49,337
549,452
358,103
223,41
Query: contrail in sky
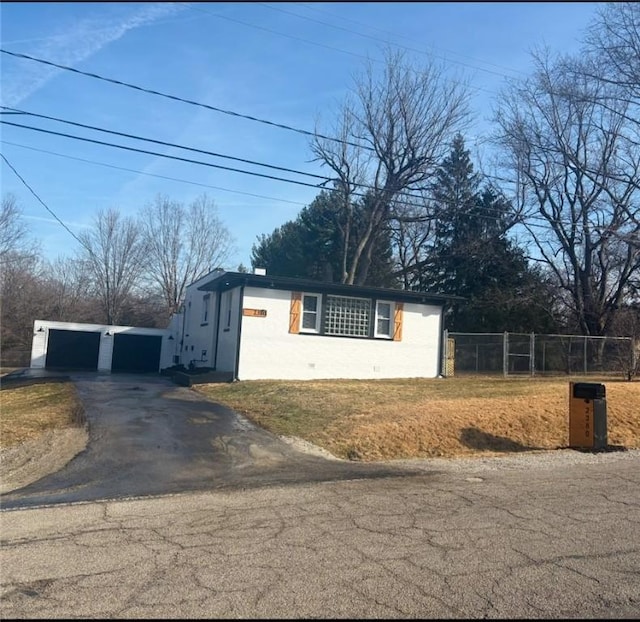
74,45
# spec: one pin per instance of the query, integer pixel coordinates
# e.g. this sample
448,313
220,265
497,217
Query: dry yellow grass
27,409
372,420
413,418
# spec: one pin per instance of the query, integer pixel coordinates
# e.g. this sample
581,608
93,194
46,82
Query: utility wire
209,164
322,45
153,92
188,160
160,142
131,170
491,214
160,155
181,99
33,192
388,32
325,180
361,34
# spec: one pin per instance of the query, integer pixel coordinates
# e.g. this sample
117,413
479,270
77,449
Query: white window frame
227,306
318,312
205,309
392,308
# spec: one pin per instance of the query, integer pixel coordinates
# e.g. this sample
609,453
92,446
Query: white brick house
255,326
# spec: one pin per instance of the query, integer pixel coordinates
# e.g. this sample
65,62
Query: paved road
541,537
148,436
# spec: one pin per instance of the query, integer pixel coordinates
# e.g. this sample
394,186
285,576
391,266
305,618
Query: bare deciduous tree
183,244
116,258
12,229
614,40
579,178
413,237
394,133
22,301
69,288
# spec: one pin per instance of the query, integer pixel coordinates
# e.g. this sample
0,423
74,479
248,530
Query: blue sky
289,63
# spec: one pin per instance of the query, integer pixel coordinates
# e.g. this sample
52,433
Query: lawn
420,418
30,407
371,420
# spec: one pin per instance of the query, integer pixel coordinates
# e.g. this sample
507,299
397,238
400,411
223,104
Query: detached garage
98,347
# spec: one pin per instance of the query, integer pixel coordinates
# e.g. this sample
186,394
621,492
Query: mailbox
587,415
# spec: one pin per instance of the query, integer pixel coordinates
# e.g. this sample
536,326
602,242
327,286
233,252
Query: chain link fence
538,354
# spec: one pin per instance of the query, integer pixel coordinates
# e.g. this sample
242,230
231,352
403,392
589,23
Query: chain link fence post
505,354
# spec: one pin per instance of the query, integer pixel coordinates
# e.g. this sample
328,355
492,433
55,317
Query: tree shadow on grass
475,438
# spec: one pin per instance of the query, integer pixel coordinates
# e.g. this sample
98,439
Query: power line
131,170
180,99
491,213
161,142
322,45
153,92
33,192
361,34
388,32
160,155
188,160
325,180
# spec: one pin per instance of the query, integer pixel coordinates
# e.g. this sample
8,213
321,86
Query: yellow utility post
587,415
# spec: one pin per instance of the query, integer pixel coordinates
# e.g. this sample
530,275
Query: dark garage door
136,353
72,349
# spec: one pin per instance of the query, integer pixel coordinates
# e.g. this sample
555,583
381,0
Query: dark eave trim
228,280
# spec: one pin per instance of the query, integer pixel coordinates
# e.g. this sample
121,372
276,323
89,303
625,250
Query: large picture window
345,316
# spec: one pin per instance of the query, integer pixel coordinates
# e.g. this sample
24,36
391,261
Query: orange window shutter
397,321
294,312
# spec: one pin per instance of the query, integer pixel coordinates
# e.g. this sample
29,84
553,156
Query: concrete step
187,379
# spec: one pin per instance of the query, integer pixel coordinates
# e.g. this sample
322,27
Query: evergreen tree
472,256
311,245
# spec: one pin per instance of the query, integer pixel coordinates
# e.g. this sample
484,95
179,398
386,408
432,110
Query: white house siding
189,328
198,336
269,351
174,330
38,346
228,335
105,352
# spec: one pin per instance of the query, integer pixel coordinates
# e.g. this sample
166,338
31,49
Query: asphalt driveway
148,436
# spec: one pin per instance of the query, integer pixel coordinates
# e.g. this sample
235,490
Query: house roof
228,280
